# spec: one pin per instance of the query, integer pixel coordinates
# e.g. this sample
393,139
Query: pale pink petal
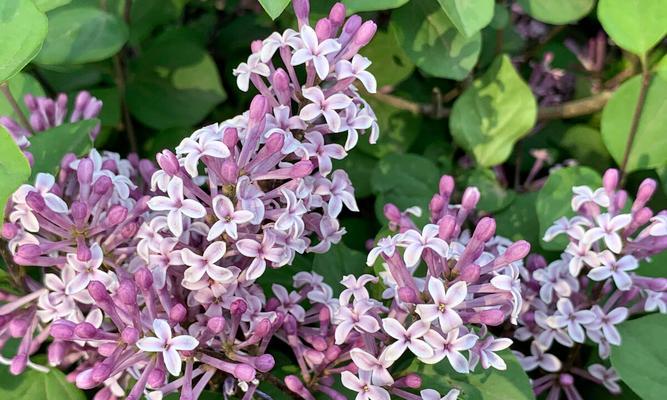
184,342
162,330
150,344
172,360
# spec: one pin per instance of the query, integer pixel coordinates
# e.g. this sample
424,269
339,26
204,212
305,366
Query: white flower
245,70
538,358
512,284
355,287
314,51
43,185
177,206
659,226
355,318
607,323
340,191
607,229
363,387
331,232
259,252
228,218
444,303
581,255
584,194
291,215
325,106
407,339
484,352
608,377
566,316
206,145
206,264
415,243
616,269
289,302
450,347
386,246
87,271
430,394
354,121
167,345
655,301
376,366
553,279
357,69
572,227
276,41
315,147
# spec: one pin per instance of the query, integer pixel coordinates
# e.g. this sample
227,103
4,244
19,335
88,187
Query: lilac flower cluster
442,286
592,287
148,268
46,113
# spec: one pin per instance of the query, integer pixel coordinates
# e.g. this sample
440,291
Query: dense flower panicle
443,286
46,113
150,273
80,227
593,287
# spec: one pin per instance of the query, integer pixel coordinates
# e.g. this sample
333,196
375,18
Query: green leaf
432,41
22,31
469,16
399,129
493,113
7,284
20,85
649,149
14,167
146,15
355,6
490,384
406,180
79,35
584,142
110,113
168,91
519,220
48,5
49,147
557,12
635,25
274,7
554,199
338,262
32,384
390,63
493,197
641,360
359,167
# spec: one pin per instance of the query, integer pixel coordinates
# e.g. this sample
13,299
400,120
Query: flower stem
646,80
4,88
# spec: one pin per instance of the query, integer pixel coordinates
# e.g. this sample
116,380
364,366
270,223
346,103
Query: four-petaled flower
355,287
607,323
363,387
430,394
616,269
444,303
377,366
245,70
315,51
169,346
259,252
86,271
325,106
357,69
415,243
207,144
608,377
228,218
538,358
407,338
289,302
177,206
355,318
315,147
566,316
205,264
607,229
584,194
450,347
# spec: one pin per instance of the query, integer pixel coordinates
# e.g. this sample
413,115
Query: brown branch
571,109
4,88
636,117
575,108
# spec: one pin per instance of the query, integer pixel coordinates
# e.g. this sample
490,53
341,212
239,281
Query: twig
4,88
636,117
575,108
571,109
121,79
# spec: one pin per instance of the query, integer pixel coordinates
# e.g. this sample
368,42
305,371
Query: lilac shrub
580,299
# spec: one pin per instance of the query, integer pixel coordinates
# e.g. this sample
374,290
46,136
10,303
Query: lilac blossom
580,298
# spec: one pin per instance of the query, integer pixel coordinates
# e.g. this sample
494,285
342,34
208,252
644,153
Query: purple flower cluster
470,280
46,113
582,297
